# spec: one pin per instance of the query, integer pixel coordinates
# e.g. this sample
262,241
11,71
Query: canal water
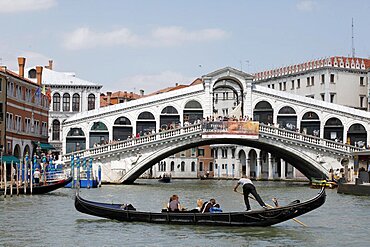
51,219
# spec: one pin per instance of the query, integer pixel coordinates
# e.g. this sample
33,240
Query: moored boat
39,189
318,183
166,178
264,217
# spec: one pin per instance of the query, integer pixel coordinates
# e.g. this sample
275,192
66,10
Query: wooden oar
298,221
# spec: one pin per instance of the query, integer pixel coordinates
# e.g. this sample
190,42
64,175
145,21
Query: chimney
50,66
39,75
176,84
21,63
131,95
109,94
141,92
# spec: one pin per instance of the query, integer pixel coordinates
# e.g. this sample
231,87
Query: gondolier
249,188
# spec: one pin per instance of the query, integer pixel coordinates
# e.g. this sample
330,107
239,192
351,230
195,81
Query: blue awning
46,146
9,158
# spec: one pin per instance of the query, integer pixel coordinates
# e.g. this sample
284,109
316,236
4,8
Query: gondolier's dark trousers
250,189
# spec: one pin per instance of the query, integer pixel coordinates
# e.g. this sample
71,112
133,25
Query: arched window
169,110
76,102
193,166
66,102
56,102
172,166
182,166
91,102
287,110
56,130
146,115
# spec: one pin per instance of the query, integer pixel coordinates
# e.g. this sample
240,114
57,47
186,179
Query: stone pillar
271,169
283,168
259,165
248,167
294,172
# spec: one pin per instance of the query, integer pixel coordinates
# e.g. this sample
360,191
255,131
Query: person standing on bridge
248,188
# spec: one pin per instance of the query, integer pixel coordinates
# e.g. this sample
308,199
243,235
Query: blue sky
143,44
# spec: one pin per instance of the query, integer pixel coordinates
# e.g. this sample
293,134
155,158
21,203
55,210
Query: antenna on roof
1,61
353,43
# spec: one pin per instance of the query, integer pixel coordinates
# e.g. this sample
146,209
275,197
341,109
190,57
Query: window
56,130
172,167
56,102
182,166
91,102
27,125
216,166
193,166
362,101
18,123
210,166
332,78
200,152
284,85
298,83
28,95
273,86
10,89
193,152
1,112
292,85
32,73
332,97
1,84
66,102
280,86
312,80
362,81
233,153
76,102
310,96
308,81
322,79
44,129
268,85
322,96
36,127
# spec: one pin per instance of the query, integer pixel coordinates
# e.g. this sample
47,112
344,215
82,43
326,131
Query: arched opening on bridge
357,135
169,117
227,98
99,134
252,157
263,112
145,123
75,140
310,124
193,111
122,129
333,130
264,164
26,151
243,162
287,118
17,151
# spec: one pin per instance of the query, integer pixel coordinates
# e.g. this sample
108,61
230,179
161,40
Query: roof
120,94
335,62
16,75
52,77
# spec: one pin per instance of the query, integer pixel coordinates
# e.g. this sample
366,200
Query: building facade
68,95
24,129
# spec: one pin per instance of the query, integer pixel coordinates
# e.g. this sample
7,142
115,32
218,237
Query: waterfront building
68,95
339,80
118,97
24,113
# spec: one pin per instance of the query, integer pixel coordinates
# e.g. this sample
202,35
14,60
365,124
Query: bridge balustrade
228,127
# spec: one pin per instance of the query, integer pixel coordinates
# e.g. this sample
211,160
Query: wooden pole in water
1,175
25,177
5,178
17,179
31,176
11,178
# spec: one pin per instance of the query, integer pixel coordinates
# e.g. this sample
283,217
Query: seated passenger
208,205
174,204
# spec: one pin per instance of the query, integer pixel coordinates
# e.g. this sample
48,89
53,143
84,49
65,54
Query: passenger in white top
248,188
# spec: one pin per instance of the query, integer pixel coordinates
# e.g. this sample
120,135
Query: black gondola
264,217
165,178
40,189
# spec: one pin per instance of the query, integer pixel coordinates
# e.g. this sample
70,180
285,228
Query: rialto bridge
311,135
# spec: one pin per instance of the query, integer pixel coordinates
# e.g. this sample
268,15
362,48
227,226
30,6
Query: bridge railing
307,138
134,142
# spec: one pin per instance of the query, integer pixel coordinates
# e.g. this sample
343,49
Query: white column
269,160
259,165
283,166
294,172
248,167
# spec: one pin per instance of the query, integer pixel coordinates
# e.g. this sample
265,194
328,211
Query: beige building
340,80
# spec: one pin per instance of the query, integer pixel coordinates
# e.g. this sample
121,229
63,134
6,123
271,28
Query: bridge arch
287,118
145,123
263,112
98,134
122,128
333,129
193,111
169,116
357,135
75,140
305,164
310,123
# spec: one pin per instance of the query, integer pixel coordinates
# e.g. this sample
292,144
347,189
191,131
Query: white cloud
14,6
151,82
306,5
84,38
